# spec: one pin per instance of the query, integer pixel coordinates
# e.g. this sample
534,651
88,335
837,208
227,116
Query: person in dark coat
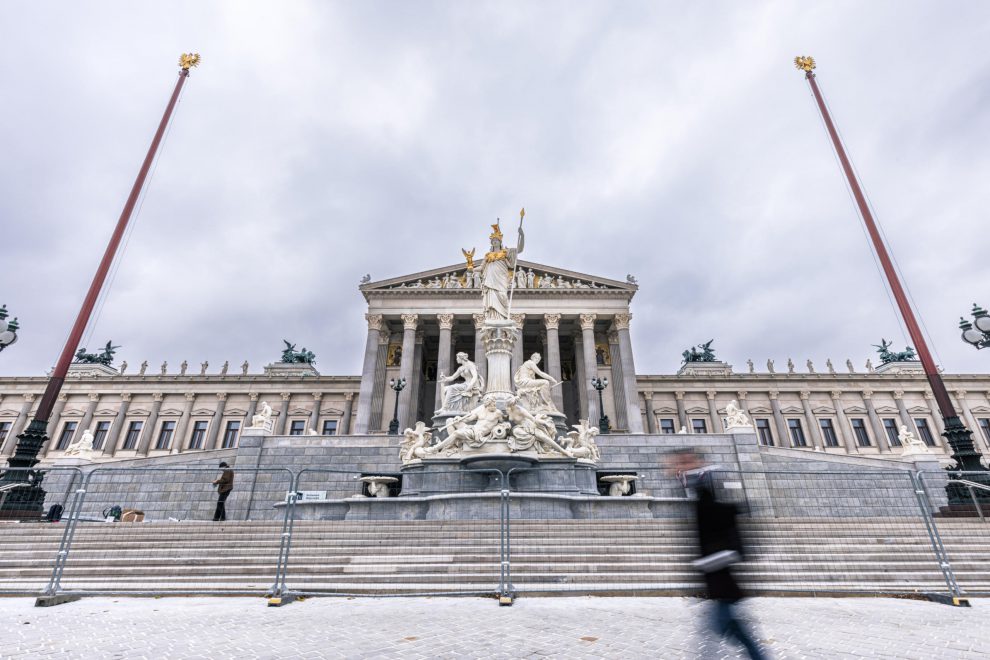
224,484
720,547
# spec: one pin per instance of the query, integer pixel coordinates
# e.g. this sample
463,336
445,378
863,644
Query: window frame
794,424
5,429
764,431
984,424
892,430
231,433
695,424
65,437
664,429
164,442
134,429
925,432
101,433
197,436
326,423
862,439
297,427
829,437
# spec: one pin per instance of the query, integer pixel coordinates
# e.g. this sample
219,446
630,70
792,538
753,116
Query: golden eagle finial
470,257
805,62
189,60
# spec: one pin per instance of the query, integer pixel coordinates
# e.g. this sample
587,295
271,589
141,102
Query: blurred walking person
224,484
721,547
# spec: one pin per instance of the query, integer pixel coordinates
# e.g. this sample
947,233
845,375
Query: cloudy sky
320,141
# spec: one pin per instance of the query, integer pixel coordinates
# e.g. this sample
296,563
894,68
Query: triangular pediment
455,280
204,411
664,410
760,410
792,410
170,412
855,410
822,410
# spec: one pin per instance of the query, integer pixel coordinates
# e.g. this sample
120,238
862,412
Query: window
198,435
890,427
329,427
133,434
926,433
699,426
68,430
102,428
298,426
230,435
984,426
763,430
4,432
828,433
859,429
165,435
797,433
667,426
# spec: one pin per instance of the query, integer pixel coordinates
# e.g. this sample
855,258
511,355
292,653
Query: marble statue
183,367
434,283
144,368
495,274
770,366
203,367
465,395
520,278
533,386
683,431
244,368
476,277
580,443
455,282
416,444
366,278
83,447
164,368
445,282
811,367
869,366
263,418
910,441
790,366
473,429
530,278
829,366
631,279
418,284
531,431
735,417
544,281
749,364
123,367
849,366
226,366
560,282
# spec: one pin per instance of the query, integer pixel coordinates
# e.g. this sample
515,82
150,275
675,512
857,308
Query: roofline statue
706,354
105,358
291,356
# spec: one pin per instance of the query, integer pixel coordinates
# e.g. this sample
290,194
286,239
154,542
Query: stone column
283,414
345,423
590,366
213,439
937,416
314,417
113,437
968,418
17,427
713,412
409,324
843,430
148,432
517,349
378,393
814,430
621,420
581,379
179,440
651,418
552,324
417,377
628,372
875,424
479,347
903,411
54,419
681,412
87,419
252,409
446,322
369,369
778,418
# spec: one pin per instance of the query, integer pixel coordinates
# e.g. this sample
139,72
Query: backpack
54,513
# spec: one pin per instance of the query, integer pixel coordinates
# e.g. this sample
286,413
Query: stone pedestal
499,338
897,368
83,370
290,370
715,368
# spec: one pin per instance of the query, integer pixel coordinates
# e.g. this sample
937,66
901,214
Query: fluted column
681,412
814,430
378,393
902,410
409,325
283,414
621,324
552,324
517,349
18,425
778,418
590,365
843,429
54,419
871,412
968,416
479,347
651,418
369,368
87,419
345,423
213,439
713,412
618,390
581,378
179,441
113,438
446,322
314,417
417,380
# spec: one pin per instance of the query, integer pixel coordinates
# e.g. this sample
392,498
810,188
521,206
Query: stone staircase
608,557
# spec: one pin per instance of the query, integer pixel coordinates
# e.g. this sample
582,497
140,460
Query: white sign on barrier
308,495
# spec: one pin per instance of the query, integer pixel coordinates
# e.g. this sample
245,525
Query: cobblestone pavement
479,628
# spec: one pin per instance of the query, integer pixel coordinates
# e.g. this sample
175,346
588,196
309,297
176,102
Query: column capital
867,394
317,396
191,396
518,318
898,394
252,395
742,394
410,321
286,396
374,321
157,396
94,397
588,321
551,321
961,394
125,396
836,394
711,394
774,394
222,396
446,321
30,396
679,394
648,395
805,395
348,396
479,320
929,395
63,397
621,321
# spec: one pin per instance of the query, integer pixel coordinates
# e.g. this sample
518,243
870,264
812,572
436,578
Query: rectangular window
102,428
764,431
297,428
230,435
699,426
859,430
797,433
828,433
133,435
890,428
925,432
4,432
68,430
198,434
329,427
165,435
667,426
985,427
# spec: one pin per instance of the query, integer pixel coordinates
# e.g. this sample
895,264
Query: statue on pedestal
580,443
533,386
263,418
83,447
735,417
496,275
531,431
417,443
472,429
464,395
910,441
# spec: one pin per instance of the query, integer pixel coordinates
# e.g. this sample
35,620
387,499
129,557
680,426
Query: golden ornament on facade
470,257
189,60
804,62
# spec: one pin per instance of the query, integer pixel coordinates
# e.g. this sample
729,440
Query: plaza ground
581,627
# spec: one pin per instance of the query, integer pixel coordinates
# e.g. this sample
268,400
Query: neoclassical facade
580,324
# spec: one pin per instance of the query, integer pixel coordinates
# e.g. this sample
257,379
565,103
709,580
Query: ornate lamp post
398,386
980,335
600,384
8,329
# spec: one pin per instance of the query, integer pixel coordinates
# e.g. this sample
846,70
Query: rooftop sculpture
104,358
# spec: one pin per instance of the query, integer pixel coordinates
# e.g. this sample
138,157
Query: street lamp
397,385
600,384
8,329
980,335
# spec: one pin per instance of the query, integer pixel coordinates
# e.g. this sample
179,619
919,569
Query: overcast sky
320,141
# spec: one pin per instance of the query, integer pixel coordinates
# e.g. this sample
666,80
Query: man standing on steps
224,484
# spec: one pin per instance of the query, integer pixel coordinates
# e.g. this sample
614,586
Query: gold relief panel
394,358
603,356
